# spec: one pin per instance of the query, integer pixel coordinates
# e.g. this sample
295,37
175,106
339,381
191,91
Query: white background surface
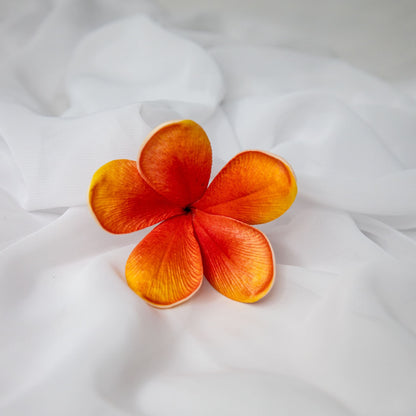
330,86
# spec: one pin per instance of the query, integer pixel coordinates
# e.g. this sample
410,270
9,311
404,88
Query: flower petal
123,202
176,161
238,260
254,187
165,268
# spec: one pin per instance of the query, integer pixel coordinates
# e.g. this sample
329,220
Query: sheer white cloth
82,83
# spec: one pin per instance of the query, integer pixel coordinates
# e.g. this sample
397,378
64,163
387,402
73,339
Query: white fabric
82,83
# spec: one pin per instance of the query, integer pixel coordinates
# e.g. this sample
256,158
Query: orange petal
176,161
238,260
254,187
165,268
123,202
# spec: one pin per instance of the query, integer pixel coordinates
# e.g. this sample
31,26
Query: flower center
187,209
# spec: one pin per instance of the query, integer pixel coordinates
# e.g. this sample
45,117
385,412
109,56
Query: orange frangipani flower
205,229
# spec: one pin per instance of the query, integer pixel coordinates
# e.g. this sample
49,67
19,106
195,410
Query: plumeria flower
204,230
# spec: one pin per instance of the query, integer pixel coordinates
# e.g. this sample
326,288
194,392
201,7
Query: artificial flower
204,230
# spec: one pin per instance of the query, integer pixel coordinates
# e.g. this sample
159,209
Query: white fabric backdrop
83,82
